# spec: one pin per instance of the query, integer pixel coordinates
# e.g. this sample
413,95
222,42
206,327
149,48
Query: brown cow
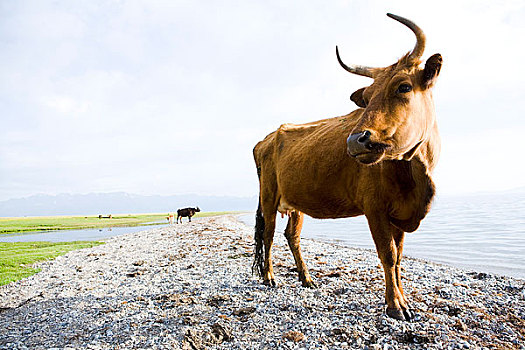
375,161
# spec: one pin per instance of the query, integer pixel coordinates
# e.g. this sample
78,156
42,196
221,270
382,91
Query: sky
170,97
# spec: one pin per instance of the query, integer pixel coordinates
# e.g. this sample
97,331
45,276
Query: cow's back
307,163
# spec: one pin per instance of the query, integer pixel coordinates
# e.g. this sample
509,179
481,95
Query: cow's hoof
309,284
399,314
408,314
270,283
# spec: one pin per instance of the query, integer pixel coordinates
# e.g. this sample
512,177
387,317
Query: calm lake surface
73,235
485,233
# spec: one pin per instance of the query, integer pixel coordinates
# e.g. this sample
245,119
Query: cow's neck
413,182
411,191
428,153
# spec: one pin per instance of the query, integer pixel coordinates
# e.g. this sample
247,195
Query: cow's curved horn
417,52
355,69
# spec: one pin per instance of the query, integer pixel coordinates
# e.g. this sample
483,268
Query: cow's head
398,111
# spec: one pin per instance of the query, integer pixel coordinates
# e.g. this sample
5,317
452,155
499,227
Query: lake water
485,233
73,235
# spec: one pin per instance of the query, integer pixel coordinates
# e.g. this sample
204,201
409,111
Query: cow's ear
357,97
431,71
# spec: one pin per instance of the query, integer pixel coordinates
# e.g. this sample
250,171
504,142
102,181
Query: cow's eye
403,89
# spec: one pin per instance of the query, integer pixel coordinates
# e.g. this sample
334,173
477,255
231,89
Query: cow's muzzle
363,149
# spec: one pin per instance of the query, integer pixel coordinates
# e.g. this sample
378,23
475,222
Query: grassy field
41,223
16,258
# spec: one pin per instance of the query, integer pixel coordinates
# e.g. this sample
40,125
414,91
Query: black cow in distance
186,212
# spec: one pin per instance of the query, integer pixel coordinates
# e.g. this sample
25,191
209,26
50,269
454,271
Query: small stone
222,333
189,320
218,300
338,331
340,291
460,325
135,273
244,311
294,336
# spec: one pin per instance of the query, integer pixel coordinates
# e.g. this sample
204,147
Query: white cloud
65,105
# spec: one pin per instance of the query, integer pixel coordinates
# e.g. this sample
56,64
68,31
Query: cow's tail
258,261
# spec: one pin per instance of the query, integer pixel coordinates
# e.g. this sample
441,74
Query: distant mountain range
122,202
119,203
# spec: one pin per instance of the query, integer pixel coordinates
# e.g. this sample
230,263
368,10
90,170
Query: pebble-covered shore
190,286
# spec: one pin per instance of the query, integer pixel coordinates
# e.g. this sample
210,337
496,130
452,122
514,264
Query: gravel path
190,286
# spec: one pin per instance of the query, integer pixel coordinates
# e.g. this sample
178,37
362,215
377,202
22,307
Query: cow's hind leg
269,231
293,235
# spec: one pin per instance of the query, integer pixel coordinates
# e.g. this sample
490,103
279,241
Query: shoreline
190,286
42,224
430,243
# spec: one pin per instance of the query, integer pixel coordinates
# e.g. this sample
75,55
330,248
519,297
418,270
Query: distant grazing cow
375,161
170,218
186,212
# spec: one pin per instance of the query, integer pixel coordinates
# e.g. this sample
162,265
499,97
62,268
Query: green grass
16,258
45,223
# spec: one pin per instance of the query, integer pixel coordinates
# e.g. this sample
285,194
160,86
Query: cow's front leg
399,237
383,234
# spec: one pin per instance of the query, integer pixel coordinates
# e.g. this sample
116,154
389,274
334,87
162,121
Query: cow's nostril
364,137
